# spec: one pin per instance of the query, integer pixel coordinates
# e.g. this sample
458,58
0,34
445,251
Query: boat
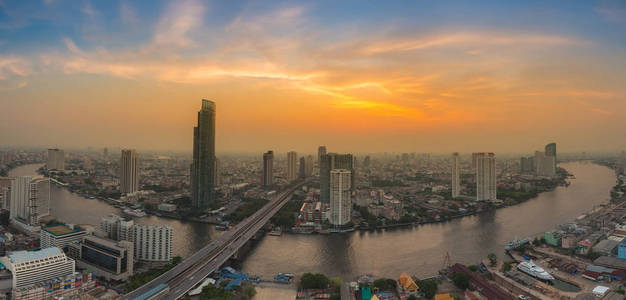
276,232
516,243
533,270
134,212
304,230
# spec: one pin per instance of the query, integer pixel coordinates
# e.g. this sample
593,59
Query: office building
56,160
60,235
329,162
117,228
268,168
456,176
30,200
110,259
485,176
33,267
292,160
129,172
309,165
340,196
152,243
321,150
203,167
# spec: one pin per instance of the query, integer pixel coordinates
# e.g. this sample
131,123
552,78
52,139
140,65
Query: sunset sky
358,76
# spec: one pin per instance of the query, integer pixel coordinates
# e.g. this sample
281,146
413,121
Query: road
191,271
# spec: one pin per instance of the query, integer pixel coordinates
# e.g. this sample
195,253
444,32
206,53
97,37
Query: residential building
204,165
153,243
550,150
292,159
268,168
60,235
527,165
330,162
30,200
110,259
32,267
56,159
456,179
545,164
485,176
5,192
129,172
340,196
117,228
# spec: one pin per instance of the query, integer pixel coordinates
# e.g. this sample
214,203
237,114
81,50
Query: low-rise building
110,259
553,238
33,267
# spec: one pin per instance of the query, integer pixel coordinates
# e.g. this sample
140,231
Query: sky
356,76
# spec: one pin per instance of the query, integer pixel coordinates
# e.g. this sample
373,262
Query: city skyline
434,77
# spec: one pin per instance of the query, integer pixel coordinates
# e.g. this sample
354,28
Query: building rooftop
17,257
62,229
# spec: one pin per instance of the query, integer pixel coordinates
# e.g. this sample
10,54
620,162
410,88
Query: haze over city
411,76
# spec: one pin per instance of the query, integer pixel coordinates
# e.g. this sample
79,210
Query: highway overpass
192,270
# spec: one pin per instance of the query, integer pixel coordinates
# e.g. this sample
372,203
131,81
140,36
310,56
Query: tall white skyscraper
485,176
56,159
292,159
30,199
456,180
340,196
152,243
129,172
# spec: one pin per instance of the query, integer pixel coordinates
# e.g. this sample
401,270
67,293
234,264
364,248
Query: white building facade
152,243
32,267
30,200
486,176
340,196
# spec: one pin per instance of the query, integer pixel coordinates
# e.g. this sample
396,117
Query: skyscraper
268,168
545,164
340,196
30,200
129,172
321,150
292,159
204,166
550,150
485,176
474,158
308,169
527,164
456,180
56,159
302,167
329,162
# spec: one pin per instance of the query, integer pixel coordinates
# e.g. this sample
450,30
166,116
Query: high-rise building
292,160
550,150
302,167
203,167
105,152
30,200
321,150
340,196
329,162
56,159
152,243
129,172
474,159
308,169
485,176
5,192
32,267
268,168
545,164
456,176
117,228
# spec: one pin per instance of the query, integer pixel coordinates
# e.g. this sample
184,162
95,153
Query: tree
461,280
314,281
248,292
385,284
176,260
412,297
474,268
506,267
493,259
428,287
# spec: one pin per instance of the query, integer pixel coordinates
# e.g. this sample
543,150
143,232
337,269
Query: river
419,250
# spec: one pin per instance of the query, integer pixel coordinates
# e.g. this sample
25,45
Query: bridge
194,269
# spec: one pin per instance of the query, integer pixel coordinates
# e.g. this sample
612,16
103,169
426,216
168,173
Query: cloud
180,19
88,10
11,66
